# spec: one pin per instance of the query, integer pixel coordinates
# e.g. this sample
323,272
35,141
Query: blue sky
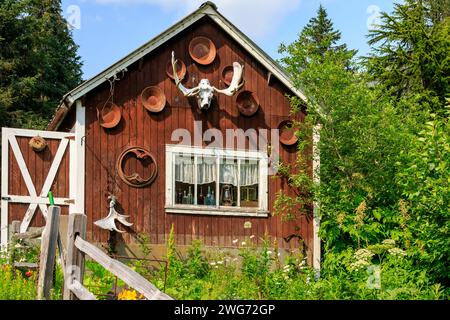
107,30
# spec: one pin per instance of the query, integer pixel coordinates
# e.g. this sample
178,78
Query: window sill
221,211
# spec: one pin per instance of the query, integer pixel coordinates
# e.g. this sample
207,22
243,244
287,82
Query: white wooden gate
72,141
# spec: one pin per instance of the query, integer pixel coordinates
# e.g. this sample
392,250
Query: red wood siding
139,127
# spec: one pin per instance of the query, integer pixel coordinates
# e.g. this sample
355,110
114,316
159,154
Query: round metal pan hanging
134,179
247,103
153,99
108,115
181,69
37,143
287,133
202,50
227,74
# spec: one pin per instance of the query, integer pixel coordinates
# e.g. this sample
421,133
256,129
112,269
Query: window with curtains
216,181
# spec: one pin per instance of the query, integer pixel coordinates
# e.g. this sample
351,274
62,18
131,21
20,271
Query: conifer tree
38,61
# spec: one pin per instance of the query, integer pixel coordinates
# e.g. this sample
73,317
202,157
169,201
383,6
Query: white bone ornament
109,223
204,91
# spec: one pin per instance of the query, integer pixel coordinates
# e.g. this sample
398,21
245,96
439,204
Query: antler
236,82
109,223
187,92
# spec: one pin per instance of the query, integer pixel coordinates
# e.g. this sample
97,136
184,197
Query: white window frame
261,157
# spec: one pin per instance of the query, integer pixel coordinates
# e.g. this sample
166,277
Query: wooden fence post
74,270
48,252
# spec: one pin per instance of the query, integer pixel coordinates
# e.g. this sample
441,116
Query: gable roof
206,9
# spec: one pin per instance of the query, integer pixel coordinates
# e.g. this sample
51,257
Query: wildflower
235,241
129,295
269,252
363,254
252,236
389,242
29,273
219,262
212,263
247,225
397,252
243,243
360,213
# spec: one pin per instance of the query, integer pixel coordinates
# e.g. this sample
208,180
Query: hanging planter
181,69
247,103
287,133
153,99
37,143
108,114
202,50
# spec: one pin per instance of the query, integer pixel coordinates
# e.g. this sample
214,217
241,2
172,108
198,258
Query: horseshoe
134,179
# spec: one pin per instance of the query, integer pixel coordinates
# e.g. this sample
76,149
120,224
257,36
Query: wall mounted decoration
37,143
109,223
153,99
108,114
181,69
247,103
227,75
204,92
134,179
202,50
287,133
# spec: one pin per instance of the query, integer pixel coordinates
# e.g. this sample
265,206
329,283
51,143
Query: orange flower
29,273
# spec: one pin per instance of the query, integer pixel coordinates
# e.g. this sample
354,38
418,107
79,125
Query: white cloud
256,18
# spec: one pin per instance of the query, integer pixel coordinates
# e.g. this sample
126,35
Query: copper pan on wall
247,103
202,50
108,115
181,69
153,99
287,133
227,74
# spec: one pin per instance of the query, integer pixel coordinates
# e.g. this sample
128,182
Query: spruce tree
38,61
316,39
410,51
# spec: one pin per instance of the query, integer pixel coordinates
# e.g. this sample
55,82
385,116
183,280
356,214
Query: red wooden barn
181,155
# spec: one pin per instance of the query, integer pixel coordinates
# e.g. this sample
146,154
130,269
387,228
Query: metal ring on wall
134,179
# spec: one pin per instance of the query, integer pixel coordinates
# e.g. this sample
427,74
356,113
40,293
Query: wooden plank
80,291
32,234
4,188
75,259
48,252
129,276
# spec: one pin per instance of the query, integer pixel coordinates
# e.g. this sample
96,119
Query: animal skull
204,91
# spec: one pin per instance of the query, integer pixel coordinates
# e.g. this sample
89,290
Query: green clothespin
50,197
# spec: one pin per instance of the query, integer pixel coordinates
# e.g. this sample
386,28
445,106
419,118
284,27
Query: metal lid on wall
287,133
181,69
247,103
108,114
202,50
153,99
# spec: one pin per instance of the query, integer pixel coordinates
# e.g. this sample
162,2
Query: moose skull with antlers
204,91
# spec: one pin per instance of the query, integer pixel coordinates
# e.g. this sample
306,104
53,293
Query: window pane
228,182
206,179
249,181
184,179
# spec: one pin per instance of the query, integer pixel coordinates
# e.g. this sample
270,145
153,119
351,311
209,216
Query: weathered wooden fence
74,262
78,247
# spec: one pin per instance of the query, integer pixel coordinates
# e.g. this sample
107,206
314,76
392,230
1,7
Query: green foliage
410,52
16,286
38,61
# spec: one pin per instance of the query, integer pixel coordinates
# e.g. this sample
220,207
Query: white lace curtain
206,171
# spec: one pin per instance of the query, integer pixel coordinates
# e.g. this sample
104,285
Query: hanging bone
204,91
109,222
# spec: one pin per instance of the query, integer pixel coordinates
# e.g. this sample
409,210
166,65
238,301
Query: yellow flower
129,295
